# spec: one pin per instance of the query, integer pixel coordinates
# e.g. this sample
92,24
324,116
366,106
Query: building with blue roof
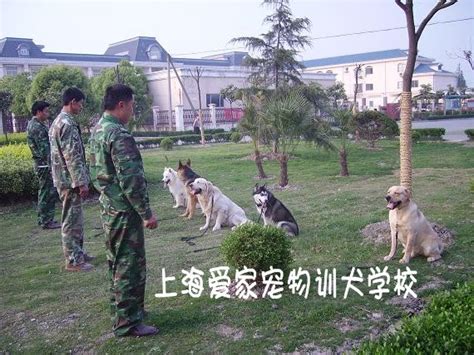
379,82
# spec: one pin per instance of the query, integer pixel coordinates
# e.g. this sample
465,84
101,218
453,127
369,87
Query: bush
173,133
415,136
430,134
166,144
17,177
470,134
373,125
13,138
235,137
257,247
186,139
445,327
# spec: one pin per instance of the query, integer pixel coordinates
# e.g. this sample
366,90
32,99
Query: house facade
19,55
380,78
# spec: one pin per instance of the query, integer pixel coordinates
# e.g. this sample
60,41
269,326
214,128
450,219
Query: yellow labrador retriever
413,230
216,205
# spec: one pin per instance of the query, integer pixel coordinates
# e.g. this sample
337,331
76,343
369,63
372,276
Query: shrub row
13,138
428,134
470,133
172,133
186,139
445,327
17,177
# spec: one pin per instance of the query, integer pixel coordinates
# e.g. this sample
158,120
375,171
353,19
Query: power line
337,36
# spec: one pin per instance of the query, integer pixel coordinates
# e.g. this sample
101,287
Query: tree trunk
406,100
343,162
258,162
275,146
405,141
283,159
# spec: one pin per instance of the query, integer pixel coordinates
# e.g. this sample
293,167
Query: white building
380,78
18,55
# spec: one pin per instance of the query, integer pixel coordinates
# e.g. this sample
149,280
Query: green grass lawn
43,309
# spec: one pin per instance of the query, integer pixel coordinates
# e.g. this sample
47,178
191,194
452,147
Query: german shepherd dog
187,176
274,212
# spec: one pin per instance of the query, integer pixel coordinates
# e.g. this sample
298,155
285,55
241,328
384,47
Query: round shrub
166,143
257,247
415,136
235,137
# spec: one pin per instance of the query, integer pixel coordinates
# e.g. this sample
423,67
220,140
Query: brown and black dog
187,176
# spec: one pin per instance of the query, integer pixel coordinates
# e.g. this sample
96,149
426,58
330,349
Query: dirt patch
410,305
313,349
265,156
434,284
289,187
347,325
229,332
379,233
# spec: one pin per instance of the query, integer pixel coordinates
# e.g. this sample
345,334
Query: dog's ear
180,165
188,163
408,193
169,169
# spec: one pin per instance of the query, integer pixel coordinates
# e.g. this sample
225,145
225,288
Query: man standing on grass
117,172
71,178
38,141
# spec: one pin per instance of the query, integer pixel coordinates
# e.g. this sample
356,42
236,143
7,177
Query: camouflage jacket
117,168
68,162
38,141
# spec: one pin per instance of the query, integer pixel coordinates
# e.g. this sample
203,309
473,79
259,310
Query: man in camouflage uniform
38,141
117,172
71,178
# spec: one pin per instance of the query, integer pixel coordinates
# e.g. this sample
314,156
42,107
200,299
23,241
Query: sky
188,28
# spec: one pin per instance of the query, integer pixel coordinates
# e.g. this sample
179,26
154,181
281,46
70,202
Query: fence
182,119
11,125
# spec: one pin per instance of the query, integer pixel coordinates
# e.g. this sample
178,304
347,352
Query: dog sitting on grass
412,228
187,176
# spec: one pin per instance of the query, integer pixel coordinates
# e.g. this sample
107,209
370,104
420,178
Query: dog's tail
290,227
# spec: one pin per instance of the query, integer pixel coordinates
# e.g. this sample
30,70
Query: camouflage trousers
47,196
125,249
72,226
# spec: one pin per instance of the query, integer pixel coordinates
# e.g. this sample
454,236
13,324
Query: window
364,102
369,87
23,51
11,69
369,70
154,52
96,71
371,104
401,67
214,99
346,70
359,87
34,69
414,83
329,72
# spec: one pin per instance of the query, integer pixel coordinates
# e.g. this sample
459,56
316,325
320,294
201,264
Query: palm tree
251,124
343,120
414,36
290,117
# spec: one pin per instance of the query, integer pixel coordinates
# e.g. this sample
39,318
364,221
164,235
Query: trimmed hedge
17,177
173,133
13,138
470,134
446,326
186,139
257,247
429,134
442,117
